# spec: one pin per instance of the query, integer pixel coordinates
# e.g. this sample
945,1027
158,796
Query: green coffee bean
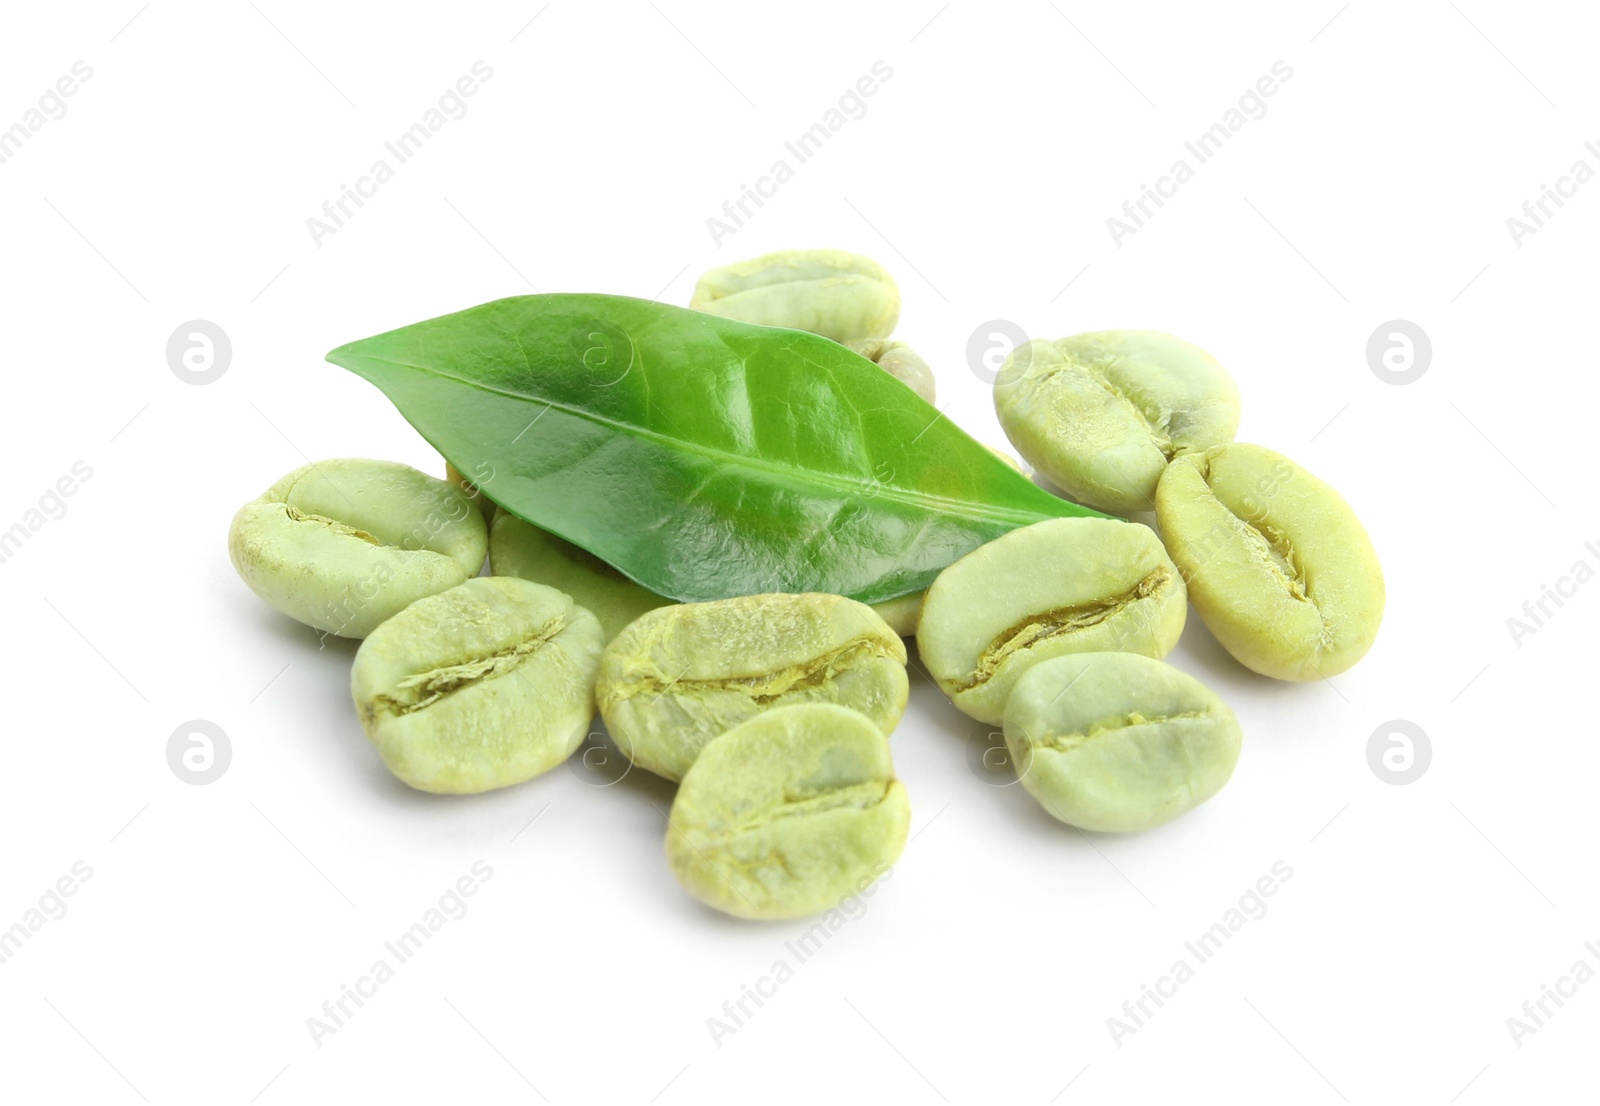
482,686
459,479
899,361
788,814
517,548
342,545
1008,459
1277,563
1069,585
901,614
839,295
679,676
1118,742
1101,414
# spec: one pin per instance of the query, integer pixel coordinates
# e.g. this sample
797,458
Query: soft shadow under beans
318,676
982,749
599,763
1202,656
288,634
1201,647
988,761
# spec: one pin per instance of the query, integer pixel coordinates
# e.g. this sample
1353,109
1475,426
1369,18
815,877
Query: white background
219,918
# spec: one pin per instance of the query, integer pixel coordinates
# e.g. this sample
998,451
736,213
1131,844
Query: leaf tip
342,355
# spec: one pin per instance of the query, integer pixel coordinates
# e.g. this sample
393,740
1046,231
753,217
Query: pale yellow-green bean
1118,742
1101,414
1279,567
788,814
488,684
679,676
343,545
518,548
839,295
1065,586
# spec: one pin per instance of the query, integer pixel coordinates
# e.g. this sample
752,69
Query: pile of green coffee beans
772,712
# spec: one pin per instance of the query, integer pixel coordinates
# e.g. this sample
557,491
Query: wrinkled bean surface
517,548
343,545
680,676
1118,742
1065,586
1278,565
485,685
788,814
1101,414
839,295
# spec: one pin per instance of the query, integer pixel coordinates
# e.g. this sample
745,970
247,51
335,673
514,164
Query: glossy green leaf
703,457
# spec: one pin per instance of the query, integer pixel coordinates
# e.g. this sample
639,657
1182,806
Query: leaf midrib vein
896,494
